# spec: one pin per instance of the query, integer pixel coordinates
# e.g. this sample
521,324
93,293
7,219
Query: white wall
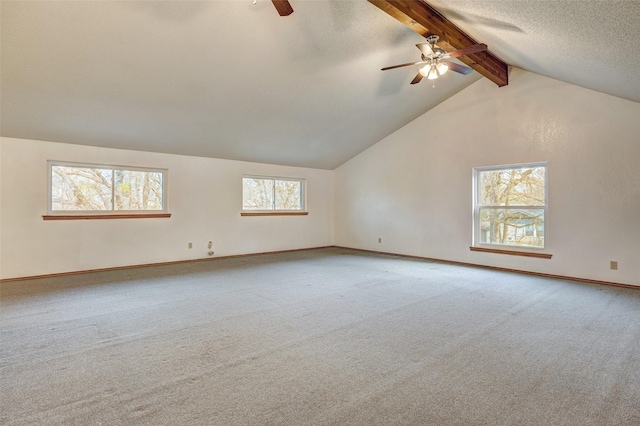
413,189
205,199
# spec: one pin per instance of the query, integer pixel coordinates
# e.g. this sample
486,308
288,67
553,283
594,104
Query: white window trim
303,195
476,208
115,213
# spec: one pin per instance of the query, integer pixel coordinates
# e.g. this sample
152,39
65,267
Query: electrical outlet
613,265
210,244
190,245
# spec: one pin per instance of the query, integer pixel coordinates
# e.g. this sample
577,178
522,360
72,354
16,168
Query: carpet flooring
319,337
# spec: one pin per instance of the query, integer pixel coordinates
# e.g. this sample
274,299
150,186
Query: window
510,205
262,193
92,189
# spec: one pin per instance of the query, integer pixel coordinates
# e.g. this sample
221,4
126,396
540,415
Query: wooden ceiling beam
283,7
426,21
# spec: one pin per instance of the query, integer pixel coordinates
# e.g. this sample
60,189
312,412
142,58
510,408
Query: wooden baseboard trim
407,256
497,268
144,265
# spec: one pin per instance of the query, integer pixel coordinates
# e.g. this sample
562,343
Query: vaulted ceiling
230,79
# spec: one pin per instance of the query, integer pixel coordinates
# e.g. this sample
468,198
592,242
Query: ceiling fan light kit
434,70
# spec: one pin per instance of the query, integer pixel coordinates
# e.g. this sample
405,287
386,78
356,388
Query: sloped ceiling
590,43
233,80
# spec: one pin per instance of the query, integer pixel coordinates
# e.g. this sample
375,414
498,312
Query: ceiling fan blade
417,78
283,7
404,65
425,48
467,50
457,67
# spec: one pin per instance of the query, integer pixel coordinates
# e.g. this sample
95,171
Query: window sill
274,213
512,252
106,216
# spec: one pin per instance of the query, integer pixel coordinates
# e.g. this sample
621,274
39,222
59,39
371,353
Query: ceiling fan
282,6
436,60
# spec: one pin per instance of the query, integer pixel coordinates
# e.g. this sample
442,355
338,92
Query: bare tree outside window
264,193
257,194
136,190
288,195
80,188
104,188
511,204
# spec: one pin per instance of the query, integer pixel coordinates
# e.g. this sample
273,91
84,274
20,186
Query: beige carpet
321,337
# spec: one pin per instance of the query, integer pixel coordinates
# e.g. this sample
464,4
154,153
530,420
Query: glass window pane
288,195
257,194
516,227
138,190
80,188
512,187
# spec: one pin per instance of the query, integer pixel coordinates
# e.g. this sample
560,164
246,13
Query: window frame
276,212
105,214
508,248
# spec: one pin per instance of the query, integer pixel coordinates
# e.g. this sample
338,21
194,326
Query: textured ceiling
228,79
589,43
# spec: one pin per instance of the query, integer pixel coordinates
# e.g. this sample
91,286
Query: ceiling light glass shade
442,68
433,74
425,70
